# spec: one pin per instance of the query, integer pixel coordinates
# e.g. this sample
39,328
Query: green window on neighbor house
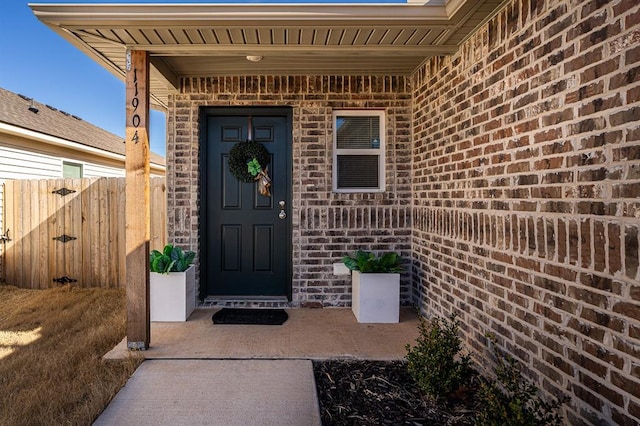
71,170
358,151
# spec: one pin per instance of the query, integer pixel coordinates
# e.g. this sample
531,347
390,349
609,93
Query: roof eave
109,15
10,129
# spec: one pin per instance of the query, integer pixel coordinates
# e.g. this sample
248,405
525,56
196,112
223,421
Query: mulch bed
382,393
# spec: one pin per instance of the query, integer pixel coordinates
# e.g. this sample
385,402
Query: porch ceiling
293,39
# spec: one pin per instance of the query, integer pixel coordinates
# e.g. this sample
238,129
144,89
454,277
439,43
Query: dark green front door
245,240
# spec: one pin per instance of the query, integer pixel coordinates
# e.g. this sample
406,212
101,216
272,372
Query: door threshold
246,302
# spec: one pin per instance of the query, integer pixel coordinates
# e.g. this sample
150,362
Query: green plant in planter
171,259
367,262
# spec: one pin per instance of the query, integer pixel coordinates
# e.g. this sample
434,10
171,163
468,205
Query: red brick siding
526,213
326,225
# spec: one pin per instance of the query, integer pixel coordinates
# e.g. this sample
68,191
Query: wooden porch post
137,206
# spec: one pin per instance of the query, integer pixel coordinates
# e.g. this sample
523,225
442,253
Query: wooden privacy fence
72,230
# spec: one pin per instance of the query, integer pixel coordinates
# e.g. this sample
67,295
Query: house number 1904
135,120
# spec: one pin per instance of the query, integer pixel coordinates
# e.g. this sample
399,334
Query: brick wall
326,225
526,208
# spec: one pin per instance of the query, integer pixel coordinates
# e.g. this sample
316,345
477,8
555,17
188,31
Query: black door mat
250,316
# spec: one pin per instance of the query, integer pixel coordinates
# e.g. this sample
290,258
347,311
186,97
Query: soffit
186,40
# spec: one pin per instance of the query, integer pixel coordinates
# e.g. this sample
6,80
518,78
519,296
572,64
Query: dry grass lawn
51,348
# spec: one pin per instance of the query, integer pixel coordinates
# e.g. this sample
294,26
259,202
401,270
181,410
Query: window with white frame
358,151
71,170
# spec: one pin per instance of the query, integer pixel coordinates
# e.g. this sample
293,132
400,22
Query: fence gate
71,231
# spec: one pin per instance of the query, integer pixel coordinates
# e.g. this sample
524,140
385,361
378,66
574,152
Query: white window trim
380,152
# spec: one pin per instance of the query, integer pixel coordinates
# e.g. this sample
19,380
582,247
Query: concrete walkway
198,373
217,392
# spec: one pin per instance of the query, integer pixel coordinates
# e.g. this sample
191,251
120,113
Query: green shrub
435,362
367,262
512,400
172,259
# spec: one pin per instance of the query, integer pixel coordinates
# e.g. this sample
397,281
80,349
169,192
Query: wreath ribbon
264,182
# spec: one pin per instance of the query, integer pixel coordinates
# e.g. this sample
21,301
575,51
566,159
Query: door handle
282,214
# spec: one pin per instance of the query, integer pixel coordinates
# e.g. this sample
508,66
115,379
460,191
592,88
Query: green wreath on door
248,162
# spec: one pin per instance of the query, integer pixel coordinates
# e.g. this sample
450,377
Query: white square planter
376,297
172,295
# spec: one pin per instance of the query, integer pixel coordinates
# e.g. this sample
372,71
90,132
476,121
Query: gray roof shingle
15,110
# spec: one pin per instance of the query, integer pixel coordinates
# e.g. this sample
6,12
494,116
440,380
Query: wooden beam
162,72
137,206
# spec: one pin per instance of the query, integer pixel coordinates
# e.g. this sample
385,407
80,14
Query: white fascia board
87,15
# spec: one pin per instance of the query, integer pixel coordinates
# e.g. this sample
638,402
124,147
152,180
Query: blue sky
38,63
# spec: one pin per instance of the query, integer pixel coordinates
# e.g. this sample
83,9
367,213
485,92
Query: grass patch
51,347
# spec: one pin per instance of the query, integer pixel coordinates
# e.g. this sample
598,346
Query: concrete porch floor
314,334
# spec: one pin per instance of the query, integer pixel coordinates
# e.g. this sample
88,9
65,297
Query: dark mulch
382,393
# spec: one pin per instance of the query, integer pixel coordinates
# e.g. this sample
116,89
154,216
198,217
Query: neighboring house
495,144
38,141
